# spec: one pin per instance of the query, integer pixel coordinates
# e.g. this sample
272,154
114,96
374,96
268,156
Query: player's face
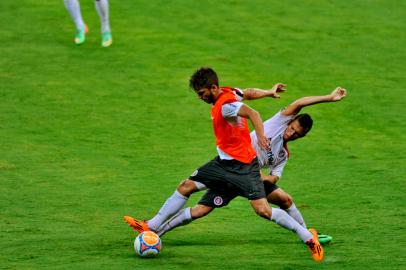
294,131
206,94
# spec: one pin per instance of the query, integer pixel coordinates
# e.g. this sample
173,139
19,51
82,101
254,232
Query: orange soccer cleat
137,225
315,248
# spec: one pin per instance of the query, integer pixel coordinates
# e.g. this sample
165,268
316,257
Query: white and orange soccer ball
147,244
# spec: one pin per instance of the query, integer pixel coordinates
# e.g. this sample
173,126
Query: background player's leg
102,7
73,8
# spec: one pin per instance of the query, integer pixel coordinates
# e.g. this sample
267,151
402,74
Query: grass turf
90,134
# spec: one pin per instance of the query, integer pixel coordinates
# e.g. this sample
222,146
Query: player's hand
264,142
277,88
338,94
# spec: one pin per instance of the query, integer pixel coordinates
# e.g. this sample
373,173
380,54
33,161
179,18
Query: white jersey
277,156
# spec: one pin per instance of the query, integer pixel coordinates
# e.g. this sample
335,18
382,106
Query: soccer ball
147,244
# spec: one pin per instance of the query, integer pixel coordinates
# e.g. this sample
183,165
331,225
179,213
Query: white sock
281,218
172,205
74,10
295,213
102,7
181,218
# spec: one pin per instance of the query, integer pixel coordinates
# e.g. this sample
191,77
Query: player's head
298,127
205,82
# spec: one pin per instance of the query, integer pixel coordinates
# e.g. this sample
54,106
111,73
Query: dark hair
305,121
204,77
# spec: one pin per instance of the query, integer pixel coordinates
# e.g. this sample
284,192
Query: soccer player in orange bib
236,167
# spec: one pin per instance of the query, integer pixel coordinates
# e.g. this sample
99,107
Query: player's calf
200,211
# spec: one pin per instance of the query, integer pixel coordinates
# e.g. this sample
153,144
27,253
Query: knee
186,187
264,211
286,202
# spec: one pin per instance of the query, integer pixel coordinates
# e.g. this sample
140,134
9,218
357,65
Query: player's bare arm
338,94
256,93
269,178
251,114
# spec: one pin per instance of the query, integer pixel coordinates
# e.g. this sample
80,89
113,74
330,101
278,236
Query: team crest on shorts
195,173
218,200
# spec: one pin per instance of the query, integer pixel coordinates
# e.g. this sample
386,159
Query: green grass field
90,134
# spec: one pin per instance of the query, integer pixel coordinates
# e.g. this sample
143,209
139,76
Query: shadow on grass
210,241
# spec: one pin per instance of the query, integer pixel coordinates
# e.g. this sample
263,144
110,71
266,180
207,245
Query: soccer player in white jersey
285,126
102,7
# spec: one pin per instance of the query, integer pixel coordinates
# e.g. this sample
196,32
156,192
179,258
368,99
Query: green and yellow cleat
107,39
324,239
80,36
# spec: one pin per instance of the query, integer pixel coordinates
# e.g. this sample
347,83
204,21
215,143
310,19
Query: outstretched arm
247,112
294,108
256,93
